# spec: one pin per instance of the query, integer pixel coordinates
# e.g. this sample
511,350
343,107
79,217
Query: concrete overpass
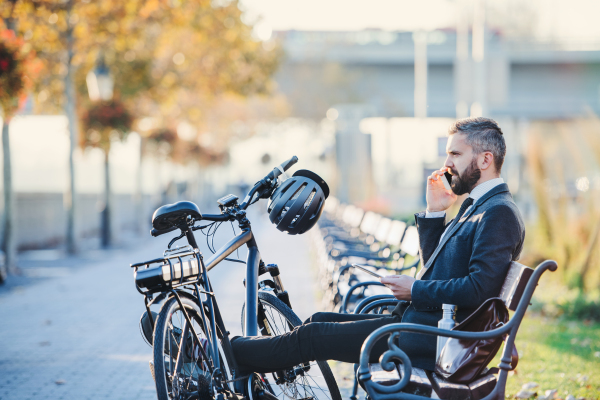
524,79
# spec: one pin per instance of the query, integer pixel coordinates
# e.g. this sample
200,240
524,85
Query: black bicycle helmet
297,203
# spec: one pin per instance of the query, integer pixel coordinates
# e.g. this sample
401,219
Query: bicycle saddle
173,215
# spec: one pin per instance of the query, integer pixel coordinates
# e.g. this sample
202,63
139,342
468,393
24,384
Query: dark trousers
324,336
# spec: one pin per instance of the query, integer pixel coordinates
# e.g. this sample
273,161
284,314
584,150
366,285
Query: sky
575,19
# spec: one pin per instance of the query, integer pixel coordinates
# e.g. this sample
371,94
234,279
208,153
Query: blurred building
524,78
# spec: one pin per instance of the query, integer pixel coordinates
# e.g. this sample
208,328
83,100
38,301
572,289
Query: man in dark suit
465,262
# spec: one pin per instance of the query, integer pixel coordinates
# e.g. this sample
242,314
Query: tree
170,58
15,65
104,122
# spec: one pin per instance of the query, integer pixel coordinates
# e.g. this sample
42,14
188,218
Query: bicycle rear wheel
192,378
312,380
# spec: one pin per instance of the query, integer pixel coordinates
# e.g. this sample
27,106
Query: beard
466,181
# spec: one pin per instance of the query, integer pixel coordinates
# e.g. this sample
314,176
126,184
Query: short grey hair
483,134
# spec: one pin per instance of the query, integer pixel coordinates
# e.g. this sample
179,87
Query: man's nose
448,163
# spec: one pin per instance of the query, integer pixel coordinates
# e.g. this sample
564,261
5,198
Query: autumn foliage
104,119
16,66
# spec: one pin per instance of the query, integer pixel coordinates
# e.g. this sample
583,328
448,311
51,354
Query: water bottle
447,322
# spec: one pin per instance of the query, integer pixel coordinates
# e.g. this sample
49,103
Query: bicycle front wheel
312,380
181,374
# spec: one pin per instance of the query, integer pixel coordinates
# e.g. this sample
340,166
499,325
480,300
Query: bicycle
192,354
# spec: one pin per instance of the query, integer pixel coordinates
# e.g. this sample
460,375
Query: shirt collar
484,187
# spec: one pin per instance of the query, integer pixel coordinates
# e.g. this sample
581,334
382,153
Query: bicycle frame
252,263
170,279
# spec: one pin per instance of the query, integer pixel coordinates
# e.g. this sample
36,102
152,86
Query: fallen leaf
525,394
529,386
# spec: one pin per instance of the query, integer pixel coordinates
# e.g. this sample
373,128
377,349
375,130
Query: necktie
463,207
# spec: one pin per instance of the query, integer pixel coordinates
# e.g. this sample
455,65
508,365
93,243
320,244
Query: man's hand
438,198
400,285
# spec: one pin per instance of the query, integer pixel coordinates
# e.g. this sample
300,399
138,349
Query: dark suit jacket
469,269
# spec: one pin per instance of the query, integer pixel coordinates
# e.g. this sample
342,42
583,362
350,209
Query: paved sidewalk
70,330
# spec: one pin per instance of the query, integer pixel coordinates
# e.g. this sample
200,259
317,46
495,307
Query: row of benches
348,235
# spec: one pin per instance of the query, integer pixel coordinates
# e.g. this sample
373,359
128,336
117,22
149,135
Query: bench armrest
346,300
372,302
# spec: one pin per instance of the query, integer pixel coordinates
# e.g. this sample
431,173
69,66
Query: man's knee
319,317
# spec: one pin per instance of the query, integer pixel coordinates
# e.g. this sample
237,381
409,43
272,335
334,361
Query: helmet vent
297,193
310,199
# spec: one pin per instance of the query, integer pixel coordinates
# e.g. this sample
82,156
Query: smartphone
368,271
447,180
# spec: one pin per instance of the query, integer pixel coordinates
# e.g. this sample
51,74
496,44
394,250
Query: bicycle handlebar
284,166
274,174
216,217
271,176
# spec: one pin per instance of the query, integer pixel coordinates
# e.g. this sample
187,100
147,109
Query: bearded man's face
462,163
464,181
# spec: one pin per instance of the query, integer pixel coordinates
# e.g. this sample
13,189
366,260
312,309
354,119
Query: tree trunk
106,233
139,192
70,111
8,236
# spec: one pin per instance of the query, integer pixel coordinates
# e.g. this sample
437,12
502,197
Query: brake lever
266,192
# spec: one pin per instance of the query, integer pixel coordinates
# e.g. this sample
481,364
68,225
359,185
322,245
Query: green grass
558,355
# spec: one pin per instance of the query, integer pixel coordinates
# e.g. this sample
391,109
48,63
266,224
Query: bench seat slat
449,391
483,386
419,382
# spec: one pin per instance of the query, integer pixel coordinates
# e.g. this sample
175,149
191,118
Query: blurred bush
563,159
569,304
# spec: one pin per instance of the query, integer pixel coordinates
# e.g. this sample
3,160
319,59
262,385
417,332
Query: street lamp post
100,82
100,86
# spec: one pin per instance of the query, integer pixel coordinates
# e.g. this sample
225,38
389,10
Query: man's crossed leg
324,336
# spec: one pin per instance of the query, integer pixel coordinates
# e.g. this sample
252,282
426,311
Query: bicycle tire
194,378
286,390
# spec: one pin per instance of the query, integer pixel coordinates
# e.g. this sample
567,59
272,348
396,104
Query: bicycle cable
210,240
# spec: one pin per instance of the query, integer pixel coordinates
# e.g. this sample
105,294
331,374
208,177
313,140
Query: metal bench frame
395,355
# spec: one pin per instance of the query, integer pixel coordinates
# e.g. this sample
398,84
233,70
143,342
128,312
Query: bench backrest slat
410,241
516,279
394,236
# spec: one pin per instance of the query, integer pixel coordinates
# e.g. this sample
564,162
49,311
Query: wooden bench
395,378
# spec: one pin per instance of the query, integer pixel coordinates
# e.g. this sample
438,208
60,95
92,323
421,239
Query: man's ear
485,160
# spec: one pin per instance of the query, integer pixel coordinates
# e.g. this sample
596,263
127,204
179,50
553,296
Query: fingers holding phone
439,194
400,285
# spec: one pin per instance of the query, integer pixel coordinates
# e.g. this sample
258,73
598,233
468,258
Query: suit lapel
496,190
